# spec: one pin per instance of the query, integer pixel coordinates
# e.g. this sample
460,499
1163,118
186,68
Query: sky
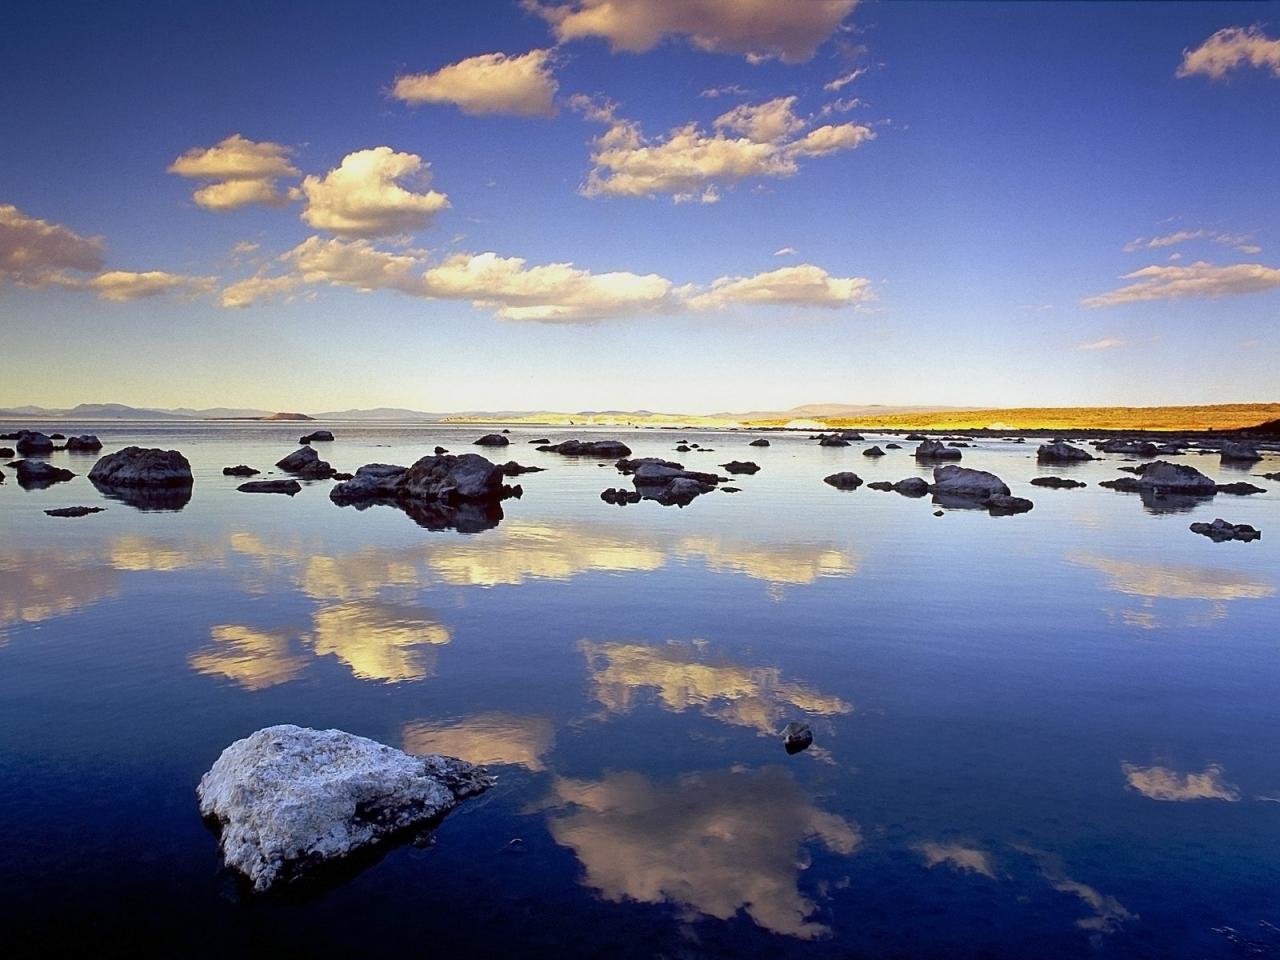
674,205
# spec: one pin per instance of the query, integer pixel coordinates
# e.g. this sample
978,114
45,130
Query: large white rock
291,799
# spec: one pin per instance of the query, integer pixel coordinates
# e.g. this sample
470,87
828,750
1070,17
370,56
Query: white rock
291,799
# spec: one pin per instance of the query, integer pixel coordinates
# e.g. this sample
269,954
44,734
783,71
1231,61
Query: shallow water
1035,736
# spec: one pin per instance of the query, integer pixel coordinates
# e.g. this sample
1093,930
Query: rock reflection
1162,783
754,697
713,843
958,857
253,659
171,499
379,641
435,515
486,738
39,585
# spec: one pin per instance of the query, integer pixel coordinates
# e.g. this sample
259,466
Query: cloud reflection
253,659
39,585
1162,783
713,843
958,857
379,641
486,738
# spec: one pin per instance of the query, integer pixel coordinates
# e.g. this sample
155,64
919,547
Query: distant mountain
91,411
378,413
222,413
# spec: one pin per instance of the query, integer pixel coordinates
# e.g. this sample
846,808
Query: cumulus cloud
239,172
1198,279
1106,343
123,285
35,252
803,285
1161,783
689,159
547,293
1230,48
363,196
757,29
522,86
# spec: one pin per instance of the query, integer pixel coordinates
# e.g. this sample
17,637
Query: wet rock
289,487
1233,452
679,492
74,511
1165,477
682,448
833,442
762,442
492,440
1059,483
86,443
343,476
873,452
912,487
57,436
1221,531
38,474
796,736
513,469
893,446
290,800
1239,488
439,493
963,482
306,463
936,450
605,449
371,480
7,453
1002,505
440,451
241,470
915,437
741,466
620,496
316,436
29,442
844,480
1061,452
730,489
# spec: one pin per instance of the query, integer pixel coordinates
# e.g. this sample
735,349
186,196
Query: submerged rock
762,442
833,442
741,466
796,736
38,474
306,463
291,800
1239,488
87,443
1061,483
936,450
1061,452
607,449
1221,531
240,471
317,436
289,487
74,511
492,440
513,469
844,480
142,467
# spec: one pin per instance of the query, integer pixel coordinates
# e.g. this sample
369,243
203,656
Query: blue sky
956,221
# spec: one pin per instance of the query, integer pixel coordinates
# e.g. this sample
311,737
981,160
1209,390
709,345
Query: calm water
1050,735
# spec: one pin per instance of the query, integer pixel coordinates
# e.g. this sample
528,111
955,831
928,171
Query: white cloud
521,86
1161,783
785,252
626,163
545,293
240,171
363,196
729,89
1106,343
842,81
122,285
758,29
35,252
1198,279
1230,48
1240,241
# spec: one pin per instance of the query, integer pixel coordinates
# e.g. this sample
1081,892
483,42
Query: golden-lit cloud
36,252
1196,280
957,856
689,160
379,641
237,172
1162,783
757,29
253,659
803,285
364,196
485,738
1229,49
716,843
123,285
680,678
521,86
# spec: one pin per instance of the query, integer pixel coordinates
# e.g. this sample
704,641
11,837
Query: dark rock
87,443
1061,452
240,471
845,480
873,452
440,451
145,478
1163,476
762,442
306,463
33,443
1239,488
682,448
1239,453
271,486
492,440
912,487
1139,448
833,442
57,436
318,435
914,437
74,511
1002,505
936,450
938,513
38,474
438,493
741,466
7,453
796,737
1061,483
1265,476
605,449
620,496
963,482
513,469
540,440
884,485
343,476
679,492
893,446
730,489
1123,484
1220,531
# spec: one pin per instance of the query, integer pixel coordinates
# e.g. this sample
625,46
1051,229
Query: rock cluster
936,450
1221,531
306,463
438,492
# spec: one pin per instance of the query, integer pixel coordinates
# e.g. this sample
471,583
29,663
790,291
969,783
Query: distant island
1227,416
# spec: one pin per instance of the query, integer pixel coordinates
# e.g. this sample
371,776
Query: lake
1046,735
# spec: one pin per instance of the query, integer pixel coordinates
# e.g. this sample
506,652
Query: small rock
893,446
937,513
605,449
87,443
833,442
318,435
492,440
513,469
241,470
540,440
289,487
796,736
1061,483
1239,488
620,496
873,452
1061,452
730,489
38,474
1003,505
7,453
762,442
1220,531
343,476
74,511
440,451
844,480
936,450
741,466
306,463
